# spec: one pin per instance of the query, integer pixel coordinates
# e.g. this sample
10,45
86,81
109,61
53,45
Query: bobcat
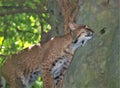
50,60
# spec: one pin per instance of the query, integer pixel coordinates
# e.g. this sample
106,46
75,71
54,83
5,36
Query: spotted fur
58,68
52,60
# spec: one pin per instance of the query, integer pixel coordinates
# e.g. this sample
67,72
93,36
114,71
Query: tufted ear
73,26
86,26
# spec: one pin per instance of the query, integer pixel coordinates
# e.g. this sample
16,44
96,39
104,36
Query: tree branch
69,11
4,56
20,9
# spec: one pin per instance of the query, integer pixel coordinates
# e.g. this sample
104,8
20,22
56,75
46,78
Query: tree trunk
96,65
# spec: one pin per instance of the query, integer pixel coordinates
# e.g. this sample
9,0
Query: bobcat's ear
73,26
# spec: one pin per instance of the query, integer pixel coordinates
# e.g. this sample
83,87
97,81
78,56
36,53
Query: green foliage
38,83
18,31
21,23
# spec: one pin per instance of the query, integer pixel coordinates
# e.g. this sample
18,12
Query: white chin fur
79,43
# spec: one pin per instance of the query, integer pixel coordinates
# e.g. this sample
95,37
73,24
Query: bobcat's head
81,34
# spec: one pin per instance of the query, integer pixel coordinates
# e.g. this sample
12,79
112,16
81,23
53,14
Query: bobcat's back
51,59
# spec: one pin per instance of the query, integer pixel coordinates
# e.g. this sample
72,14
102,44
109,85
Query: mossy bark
96,65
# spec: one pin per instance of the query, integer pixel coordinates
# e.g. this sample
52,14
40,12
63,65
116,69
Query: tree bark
96,65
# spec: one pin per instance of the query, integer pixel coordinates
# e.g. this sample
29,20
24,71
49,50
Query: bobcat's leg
60,84
15,85
17,82
48,81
